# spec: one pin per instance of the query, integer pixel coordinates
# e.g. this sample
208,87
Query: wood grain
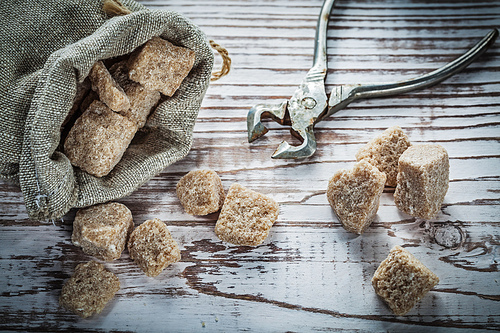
310,274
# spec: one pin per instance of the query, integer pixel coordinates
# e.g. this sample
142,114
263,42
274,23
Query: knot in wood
448,236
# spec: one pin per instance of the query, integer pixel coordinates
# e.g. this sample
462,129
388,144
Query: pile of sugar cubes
104,230
245,216
420,174
116,103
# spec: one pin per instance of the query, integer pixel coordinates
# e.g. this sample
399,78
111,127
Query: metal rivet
309,102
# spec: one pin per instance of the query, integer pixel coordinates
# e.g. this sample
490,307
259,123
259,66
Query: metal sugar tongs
309,104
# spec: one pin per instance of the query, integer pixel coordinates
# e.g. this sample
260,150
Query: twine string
226,61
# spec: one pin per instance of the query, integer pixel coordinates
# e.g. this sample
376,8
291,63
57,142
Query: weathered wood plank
315,270
310,274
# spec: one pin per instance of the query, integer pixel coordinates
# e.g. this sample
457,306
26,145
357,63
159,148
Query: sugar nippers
310,103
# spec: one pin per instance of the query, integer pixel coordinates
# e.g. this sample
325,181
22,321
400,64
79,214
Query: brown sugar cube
152,247
246,217
102,230
141,99
160,65
422,180
142,102
355,195
402,280
200,192
89,289
98,139
384,150
109,91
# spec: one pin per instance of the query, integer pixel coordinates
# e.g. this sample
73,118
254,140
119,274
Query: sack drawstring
226,61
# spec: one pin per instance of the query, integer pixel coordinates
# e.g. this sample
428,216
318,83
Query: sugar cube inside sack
200,192
152,247
98,139
90,288
160,65
102,230
384,151
106,87
422,181
246,217
142,100
354,195
402,280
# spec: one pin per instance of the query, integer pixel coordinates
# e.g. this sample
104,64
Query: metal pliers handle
309,104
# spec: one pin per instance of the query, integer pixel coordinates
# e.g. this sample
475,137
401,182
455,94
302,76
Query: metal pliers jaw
301,112
309,104
305,107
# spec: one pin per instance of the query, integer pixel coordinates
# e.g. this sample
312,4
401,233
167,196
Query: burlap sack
46,48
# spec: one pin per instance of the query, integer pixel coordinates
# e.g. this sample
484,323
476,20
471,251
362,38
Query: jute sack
46,49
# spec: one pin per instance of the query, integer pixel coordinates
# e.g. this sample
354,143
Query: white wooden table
310,274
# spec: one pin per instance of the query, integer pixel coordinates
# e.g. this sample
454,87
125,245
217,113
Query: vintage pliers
310,104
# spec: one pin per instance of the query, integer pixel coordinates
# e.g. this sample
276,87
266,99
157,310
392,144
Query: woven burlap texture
47,48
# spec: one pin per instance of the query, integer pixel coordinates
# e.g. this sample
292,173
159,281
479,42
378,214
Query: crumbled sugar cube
102,230
354,195
141,99
89,289
152,247
246,217
422,180
384,151
402,280
200,192
161,66
98,139
106,87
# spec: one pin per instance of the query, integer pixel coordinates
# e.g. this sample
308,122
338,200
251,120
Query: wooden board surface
310,274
